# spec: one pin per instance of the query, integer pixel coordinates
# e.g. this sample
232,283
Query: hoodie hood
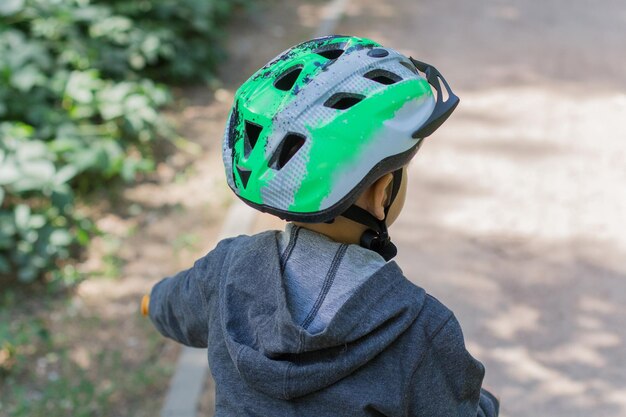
278,357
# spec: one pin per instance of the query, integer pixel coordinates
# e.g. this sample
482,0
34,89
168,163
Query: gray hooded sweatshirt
299,325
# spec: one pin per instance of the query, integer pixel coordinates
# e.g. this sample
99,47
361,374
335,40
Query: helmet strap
377,238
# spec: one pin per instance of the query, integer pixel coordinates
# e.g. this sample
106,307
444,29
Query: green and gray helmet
322,121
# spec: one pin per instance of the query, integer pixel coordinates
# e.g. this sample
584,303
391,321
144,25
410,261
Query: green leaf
8,172
65,174
30,236
26,78
22,214
81,85
82,237
25,184
89,159
114,26
7,226
80,100
62,198
38,261
60,237
150,46
27,274
5,267
37,221
111,110
42,170
10,7
17,130
67,144
31,150
6,242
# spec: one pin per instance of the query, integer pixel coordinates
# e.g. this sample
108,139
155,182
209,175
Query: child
315,320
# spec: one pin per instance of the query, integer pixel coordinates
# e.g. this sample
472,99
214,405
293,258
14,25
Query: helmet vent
409,66
288,78
252,135
289,146
244,175
383,76
343,101
234,120
331,53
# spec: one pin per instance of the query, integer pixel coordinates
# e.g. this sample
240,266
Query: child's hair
317,125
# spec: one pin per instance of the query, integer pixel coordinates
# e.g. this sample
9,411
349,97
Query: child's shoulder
258,240
434,316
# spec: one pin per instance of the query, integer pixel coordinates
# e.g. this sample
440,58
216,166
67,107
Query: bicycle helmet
321,122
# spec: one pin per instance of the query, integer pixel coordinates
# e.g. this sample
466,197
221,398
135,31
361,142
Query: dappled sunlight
504,11
476,283
308,14
224,95
615,396
514,209
599,340
597,305
521,365
503,43
545,322
81,357
528,155
582,352
382,10
513,321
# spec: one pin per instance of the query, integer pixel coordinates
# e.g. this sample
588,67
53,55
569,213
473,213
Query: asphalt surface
516,209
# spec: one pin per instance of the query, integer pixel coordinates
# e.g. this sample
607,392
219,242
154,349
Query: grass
59,359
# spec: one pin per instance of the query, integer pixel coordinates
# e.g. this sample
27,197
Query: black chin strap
377,238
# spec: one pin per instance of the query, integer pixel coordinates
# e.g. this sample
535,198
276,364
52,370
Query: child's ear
379,197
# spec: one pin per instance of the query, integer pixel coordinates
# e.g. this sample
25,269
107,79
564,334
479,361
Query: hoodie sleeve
447,381
180,305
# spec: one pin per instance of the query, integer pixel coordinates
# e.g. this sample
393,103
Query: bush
80,89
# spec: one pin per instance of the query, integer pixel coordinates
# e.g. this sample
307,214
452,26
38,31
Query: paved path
517,208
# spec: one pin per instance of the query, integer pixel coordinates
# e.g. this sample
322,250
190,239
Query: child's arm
180,305
448,380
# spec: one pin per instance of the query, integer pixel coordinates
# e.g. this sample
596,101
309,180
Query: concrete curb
191,374
191,377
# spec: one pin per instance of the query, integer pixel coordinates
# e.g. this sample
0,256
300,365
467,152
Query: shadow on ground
515,210
546,318
543,311
500,43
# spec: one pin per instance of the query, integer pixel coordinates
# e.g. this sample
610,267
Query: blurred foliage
46,372
80,88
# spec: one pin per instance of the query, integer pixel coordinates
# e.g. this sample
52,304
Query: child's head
322,132
375,199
